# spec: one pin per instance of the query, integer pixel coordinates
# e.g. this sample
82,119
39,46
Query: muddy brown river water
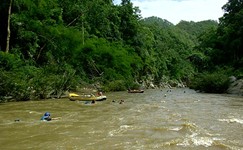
156,119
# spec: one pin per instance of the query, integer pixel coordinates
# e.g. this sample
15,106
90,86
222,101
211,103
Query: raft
135,91
85,97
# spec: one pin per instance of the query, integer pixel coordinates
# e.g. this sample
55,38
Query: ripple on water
145,121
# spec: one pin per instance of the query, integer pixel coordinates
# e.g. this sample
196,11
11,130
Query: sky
176,10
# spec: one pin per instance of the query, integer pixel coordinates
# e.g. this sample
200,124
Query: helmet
47,114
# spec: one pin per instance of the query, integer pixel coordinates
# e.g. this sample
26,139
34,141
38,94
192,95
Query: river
171,119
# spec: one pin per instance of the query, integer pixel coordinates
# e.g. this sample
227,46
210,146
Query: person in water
100,93
47,117
121,101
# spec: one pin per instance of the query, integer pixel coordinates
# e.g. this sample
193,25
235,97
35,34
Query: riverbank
236,86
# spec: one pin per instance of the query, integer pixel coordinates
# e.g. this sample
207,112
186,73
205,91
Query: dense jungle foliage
51,46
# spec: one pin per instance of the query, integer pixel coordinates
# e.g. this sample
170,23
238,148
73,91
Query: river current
170,119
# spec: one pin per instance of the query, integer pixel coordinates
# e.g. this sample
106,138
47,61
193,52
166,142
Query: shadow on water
156,119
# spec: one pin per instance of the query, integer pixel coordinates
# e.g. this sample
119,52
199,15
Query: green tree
32,23
129,24
230,32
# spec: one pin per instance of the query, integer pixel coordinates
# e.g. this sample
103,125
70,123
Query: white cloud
177,10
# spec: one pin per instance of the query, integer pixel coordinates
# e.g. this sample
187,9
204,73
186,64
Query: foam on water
120,130
233,120
197,140
175,128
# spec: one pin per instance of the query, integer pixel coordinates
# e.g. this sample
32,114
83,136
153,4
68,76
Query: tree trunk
8,28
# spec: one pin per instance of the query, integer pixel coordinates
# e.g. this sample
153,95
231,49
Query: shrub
29,82
133,85
216,82
14,84
9,61
117,85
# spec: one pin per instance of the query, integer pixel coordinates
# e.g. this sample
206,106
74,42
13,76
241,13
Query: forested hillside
51,46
